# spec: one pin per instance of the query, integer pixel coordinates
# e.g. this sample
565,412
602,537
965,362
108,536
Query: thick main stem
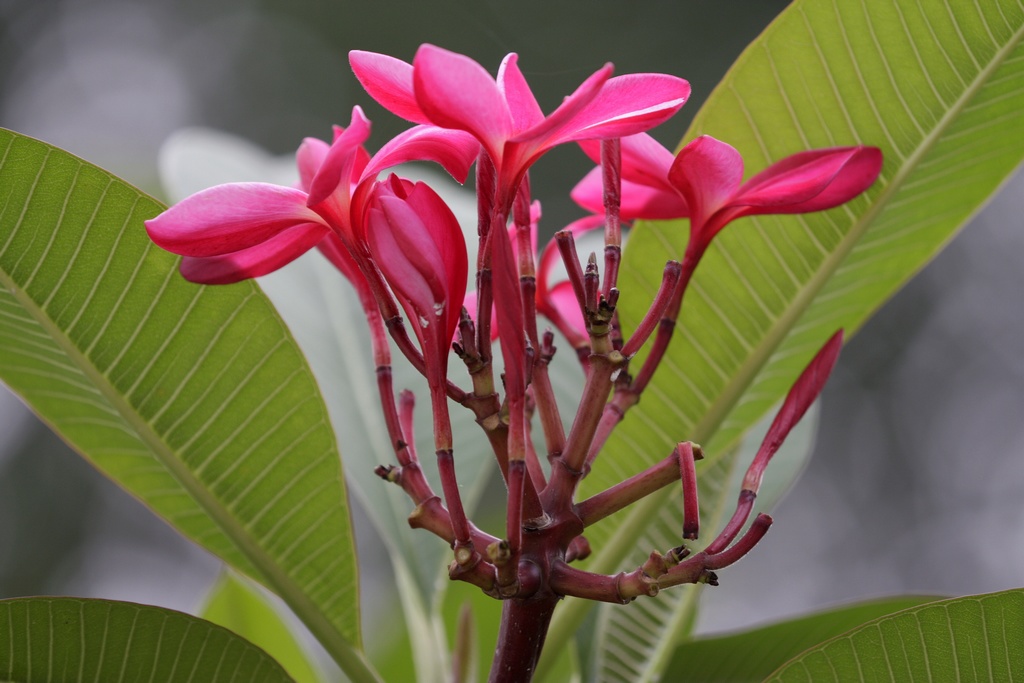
524,626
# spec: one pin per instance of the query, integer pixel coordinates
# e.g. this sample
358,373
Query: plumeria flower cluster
404,253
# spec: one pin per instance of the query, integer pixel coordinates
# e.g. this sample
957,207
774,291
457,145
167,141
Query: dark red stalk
566,244
524,626
625,493
688,475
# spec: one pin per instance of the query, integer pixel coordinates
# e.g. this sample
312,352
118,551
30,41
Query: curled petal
707,173
229,218
627,105
811,181
522,105
343,161
389,81
560,125
418,245
637,201
264,258
454,150
456,92
309,159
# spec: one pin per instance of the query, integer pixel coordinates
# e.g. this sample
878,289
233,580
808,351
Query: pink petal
264,258
455,150
229,218
522,105
456,92
627,105
811,181
389,81
638,201
552,129
707,173
342,160
309,159
418,245
644,160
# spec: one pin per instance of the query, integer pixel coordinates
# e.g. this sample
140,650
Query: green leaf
939,86
754,654
974,638
242,609
195,399
73,639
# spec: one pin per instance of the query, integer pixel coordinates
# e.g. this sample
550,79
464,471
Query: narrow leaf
974,638
195,399
73,639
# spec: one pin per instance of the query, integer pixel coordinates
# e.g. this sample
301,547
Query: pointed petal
455,150
626,105
456,92
229,218
552,129
389,81
522,104
707,173
811,181
638,201
264,258
340,164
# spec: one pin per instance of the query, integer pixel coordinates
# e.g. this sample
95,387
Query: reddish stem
611,174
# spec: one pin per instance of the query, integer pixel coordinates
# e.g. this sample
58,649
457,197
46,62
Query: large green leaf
750,656
241,608
975,638
195,399
939,86
73,639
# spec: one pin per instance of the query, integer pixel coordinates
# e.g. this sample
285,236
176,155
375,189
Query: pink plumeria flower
705,183
237,231
452,91
418,245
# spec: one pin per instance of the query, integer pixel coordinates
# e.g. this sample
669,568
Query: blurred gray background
916,484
